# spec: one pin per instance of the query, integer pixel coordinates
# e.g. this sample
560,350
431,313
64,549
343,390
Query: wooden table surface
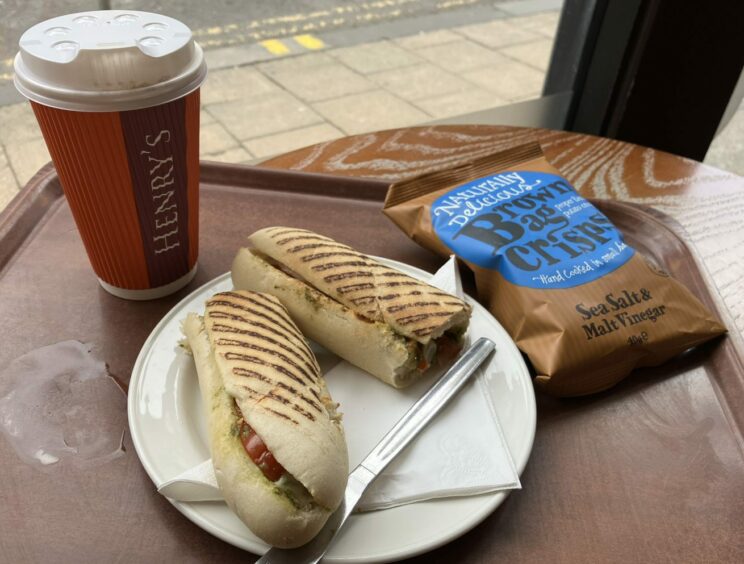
709,205
651,471
707,202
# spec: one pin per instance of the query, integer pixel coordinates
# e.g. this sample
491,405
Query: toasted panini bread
378,318
276,441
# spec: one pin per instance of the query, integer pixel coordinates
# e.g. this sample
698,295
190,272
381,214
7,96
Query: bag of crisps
585,307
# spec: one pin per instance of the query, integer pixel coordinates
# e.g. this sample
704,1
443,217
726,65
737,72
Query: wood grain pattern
707,202
603,483
650,471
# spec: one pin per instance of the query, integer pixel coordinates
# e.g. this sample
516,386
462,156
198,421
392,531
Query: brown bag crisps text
581,304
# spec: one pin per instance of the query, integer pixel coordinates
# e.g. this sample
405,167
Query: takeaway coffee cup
116,95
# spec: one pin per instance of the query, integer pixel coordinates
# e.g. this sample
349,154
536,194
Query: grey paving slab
227,57
420,81
727,150
8,185
9,95
461,56
17,123
427,39
471,100
449,16
235,155
545,23
295,63
291,140
375,57
322,82
205,118
536,53
510,80
521,7
264,115
497,33
235,84
214,138
369,111
27,157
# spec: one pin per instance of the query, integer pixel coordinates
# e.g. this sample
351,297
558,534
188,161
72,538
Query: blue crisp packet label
531,227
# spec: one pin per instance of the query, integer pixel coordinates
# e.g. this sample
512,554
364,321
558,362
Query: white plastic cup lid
108,60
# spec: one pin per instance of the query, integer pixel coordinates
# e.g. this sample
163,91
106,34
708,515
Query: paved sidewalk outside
254,111
261,109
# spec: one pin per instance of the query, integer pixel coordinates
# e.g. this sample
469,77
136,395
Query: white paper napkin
461,452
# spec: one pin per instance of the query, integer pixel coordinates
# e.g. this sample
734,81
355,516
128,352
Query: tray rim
28,210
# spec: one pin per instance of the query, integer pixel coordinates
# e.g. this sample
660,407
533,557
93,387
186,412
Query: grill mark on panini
219,328
304,237
315,394
430,291
286,401
280,414
279,231
242,344
344,275
271,306
281,312
215,314
421,317
300,395
396,273
301,344
403,283
329,265
364,300
354,288
400,307
263,301
276,306
255,360
280,322
324,245
250,392
316,256
393,296
248,373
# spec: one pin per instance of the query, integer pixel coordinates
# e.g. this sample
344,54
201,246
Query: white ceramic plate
169,435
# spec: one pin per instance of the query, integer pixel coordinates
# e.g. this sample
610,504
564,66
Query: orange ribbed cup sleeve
132,182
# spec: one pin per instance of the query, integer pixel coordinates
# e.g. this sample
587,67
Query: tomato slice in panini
277,444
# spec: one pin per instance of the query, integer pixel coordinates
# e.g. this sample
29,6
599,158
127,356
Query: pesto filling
287,486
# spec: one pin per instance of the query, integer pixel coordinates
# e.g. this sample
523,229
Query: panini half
390,324
276,441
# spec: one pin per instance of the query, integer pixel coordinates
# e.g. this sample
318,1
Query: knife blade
402,433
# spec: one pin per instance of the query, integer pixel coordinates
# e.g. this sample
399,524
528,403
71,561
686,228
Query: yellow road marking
309,42
275,47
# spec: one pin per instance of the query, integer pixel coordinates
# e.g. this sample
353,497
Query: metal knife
386,450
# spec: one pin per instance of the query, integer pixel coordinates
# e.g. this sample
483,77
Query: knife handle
425,408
